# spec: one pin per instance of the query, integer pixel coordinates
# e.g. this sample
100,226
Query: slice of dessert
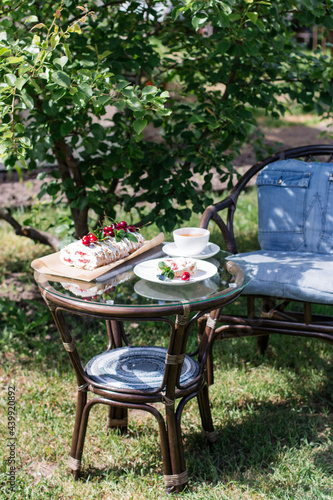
181,265
92,252
182,268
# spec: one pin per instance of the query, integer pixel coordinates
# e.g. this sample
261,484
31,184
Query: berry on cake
105,246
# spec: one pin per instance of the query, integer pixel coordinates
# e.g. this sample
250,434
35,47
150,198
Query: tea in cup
191,240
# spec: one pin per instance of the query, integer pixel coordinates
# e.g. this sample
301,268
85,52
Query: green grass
273,414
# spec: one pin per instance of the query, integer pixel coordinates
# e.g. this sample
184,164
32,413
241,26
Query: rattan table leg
117,418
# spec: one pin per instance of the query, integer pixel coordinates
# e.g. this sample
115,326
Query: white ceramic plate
172,250
154,291
149,270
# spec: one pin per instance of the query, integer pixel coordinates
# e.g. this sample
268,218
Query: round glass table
127,376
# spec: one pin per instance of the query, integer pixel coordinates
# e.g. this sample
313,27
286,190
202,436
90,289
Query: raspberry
186,276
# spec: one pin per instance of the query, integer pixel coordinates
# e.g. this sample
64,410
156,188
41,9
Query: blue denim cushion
295,203
291,275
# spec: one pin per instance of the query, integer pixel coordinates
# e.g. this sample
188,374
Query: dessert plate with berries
178,271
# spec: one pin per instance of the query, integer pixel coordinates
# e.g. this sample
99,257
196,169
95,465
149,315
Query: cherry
132,229
122,224
92,238
186,276
85,240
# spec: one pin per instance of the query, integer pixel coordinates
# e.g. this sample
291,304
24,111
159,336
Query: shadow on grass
250,448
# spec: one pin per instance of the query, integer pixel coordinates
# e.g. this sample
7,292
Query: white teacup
191,240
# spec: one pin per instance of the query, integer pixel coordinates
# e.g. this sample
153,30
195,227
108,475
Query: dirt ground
14,193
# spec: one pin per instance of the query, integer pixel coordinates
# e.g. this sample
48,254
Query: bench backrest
295,203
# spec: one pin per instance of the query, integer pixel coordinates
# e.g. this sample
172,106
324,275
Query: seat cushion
140,368
292,275
295,206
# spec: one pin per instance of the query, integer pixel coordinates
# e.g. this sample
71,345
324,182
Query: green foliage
80,85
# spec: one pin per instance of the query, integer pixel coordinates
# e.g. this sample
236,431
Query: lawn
273,414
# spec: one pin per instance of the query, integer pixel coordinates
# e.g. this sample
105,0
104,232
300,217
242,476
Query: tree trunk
69,169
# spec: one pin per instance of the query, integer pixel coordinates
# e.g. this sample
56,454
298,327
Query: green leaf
19,171
4,51
24,68
253,16
66,128
55,39
86,90
61,61
120,105
67,51
134,104
75,28
4,89
89,145
25,141
38,26
104,54
103,99
131,237
162,265
79,99
20,82
122,84
10,79
199,20
14,60
28,101
149,89
98,131
139,125
61,78
58,94
31,19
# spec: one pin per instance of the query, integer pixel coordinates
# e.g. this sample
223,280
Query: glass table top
127,289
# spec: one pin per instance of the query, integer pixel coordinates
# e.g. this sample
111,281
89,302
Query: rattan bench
295,262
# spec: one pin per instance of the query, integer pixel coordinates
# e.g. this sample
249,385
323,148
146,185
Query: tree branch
30,232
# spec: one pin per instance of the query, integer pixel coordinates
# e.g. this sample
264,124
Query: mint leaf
162,266
121,233
169,274
131,237
166,270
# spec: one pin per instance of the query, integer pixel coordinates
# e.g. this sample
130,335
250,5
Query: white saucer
172,250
